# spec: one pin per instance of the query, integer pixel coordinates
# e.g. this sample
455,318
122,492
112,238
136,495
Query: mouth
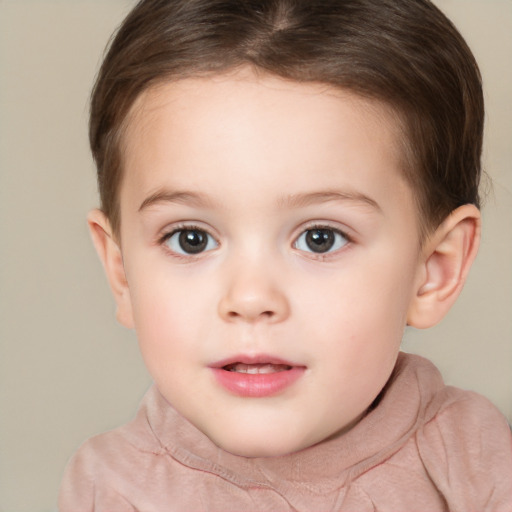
256,376
256,369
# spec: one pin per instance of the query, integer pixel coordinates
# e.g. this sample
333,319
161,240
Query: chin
256,451
253,448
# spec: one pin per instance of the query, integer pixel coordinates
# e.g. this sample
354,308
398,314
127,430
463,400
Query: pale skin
255,166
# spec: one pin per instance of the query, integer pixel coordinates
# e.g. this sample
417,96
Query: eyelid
170,229
325,224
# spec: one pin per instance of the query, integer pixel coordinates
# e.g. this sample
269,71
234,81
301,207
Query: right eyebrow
175,196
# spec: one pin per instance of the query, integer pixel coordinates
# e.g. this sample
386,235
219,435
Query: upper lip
253,359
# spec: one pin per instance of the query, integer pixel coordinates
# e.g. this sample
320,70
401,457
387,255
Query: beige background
68,370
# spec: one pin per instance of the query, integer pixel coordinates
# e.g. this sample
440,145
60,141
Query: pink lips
256,376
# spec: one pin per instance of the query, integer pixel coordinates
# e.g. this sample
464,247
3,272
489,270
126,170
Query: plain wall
67,370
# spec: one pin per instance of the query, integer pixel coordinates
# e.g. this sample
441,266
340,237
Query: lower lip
257,385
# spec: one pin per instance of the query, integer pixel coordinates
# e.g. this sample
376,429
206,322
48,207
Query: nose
252,295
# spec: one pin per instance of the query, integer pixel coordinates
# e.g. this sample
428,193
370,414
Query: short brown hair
405,53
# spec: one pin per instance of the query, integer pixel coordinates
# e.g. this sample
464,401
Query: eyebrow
199,200
311,198
179,196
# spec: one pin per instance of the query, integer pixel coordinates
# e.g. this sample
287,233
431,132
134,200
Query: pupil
320,240
193,241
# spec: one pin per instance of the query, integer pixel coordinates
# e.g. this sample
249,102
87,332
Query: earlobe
110,255
447,257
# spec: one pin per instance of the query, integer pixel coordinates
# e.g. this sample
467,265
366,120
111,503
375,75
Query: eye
321,240
190,241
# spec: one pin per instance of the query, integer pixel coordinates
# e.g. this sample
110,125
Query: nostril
253,305
267,314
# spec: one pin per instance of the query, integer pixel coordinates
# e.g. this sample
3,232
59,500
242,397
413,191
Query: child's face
271,252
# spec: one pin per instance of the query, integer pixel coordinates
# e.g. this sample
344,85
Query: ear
110,255
444,265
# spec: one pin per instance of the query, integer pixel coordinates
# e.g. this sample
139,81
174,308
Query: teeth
257,368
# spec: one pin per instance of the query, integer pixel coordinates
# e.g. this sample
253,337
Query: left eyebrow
311,198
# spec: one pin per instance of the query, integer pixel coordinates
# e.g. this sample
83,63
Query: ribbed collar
323,468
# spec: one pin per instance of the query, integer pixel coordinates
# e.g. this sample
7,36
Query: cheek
165,310
360,309
358,332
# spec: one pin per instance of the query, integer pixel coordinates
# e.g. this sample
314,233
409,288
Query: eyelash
323,255
162,240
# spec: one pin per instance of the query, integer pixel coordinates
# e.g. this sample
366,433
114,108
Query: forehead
222,129
216,97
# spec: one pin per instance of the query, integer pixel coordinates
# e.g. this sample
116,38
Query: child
285,185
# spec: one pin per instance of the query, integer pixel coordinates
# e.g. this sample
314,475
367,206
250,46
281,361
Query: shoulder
457,416
465,444
95,474
100,474
111,450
